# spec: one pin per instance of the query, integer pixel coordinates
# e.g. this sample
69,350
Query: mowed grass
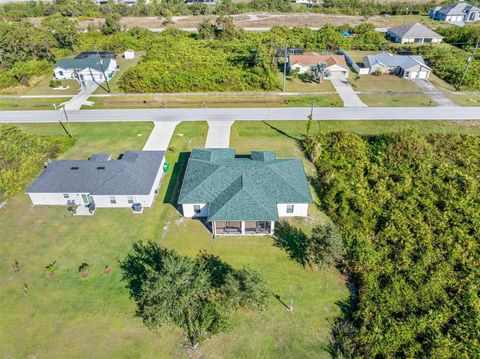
213,101
465,100
30,103
295,84
382,83
397,100
43,88
67,316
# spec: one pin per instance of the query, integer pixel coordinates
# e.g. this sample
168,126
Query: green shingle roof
243,188
83,63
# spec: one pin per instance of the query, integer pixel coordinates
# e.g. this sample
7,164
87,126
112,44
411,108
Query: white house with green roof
243,195
93,68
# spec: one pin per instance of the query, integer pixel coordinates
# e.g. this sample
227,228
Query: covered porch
243,227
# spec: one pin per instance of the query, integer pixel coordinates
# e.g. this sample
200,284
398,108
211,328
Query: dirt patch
247,20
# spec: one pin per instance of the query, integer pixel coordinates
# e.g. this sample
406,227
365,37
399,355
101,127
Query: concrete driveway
160,136
349,97
435,94
218,134
77,101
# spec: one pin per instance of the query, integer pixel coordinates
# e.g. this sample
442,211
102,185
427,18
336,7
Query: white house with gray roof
456,13
243,195
405,66
100,182
413,33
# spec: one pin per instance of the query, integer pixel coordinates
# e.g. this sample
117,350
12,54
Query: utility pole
104,76
285,65
405,17
470,59
68,122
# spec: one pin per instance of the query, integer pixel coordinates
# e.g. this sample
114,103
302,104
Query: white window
290,208
65,195
196,208
113,200
130,199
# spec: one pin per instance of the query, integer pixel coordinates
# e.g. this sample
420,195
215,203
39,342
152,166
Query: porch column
243,227
214,230
272,227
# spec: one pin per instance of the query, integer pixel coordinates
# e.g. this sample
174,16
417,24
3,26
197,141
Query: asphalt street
246,114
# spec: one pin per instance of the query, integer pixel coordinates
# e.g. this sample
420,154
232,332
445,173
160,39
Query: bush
55,83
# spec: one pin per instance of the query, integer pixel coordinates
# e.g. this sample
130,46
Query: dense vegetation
167,8
194,294
409,208
22,155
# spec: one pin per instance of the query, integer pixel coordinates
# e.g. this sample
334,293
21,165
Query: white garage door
338,75
422,75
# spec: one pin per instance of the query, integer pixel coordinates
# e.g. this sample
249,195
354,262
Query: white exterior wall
63,74
412,40
299,210
55,199
188,210
301,69
129,54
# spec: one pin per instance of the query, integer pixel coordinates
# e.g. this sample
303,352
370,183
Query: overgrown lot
22,155
409,205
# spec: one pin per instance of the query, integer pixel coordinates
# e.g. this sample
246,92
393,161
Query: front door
87,199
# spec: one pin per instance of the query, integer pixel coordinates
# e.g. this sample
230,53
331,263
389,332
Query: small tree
325,246
50,268
195,295
206,30
111,25
84,270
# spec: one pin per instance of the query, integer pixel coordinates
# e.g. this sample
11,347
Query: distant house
208,2
413,33
336,65
459,13
95,67
406,66
100,182
243,195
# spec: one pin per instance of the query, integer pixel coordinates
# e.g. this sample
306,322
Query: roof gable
416,30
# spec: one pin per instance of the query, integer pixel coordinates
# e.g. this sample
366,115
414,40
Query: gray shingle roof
411,31
458,9
389,60
133,174
83,63
243,188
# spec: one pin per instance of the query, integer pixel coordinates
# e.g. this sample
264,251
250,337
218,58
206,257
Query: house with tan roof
335,65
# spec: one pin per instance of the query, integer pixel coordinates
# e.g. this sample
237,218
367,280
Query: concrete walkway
77,101
435,94
218,134
349,97
160,136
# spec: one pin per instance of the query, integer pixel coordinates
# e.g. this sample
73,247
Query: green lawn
65,315
382,83
124,66
294,84
30,103
380,100
465,100
43,88
155,101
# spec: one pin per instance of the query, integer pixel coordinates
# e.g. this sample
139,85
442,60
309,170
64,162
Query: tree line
87,8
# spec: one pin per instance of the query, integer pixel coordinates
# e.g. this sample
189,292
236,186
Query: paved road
248,114
435,94
349,97
218,134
